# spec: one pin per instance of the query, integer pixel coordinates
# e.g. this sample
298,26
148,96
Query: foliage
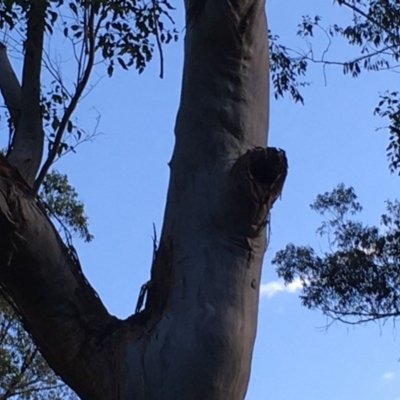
106,33
24,374
285,70
63,203
358,279
121,30
389,107
372,32
102,32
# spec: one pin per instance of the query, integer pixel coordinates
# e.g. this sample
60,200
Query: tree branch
37,389
82,83
27,147
43,276
9,86
358,10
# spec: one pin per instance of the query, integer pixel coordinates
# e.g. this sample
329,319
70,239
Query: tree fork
195,337
257,176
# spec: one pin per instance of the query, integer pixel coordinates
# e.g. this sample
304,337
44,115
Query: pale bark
195,336
9,86
27,147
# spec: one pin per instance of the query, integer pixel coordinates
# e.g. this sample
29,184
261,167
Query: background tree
195,335
356,279
24,374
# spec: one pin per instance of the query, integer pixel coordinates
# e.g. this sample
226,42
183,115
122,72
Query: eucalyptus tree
356,278
194,336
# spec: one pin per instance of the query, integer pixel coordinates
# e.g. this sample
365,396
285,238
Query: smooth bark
195,336
27,145
9,86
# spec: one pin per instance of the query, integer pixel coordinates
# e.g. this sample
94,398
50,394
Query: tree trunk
195,336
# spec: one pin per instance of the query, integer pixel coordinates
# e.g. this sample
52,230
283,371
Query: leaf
73,7
70,126
122,63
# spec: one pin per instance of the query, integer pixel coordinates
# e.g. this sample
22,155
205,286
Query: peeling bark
194,339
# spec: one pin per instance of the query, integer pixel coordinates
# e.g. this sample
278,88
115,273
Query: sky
122,178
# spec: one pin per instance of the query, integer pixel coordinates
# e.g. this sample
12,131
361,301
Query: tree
357,279
194,337
24,373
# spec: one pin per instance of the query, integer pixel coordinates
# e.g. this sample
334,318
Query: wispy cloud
270,289
388,376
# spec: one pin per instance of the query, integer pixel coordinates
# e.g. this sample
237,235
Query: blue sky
123,175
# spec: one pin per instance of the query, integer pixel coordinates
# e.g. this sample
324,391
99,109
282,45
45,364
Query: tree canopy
357,278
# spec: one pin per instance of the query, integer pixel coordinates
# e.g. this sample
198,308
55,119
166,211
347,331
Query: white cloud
272,288
387,376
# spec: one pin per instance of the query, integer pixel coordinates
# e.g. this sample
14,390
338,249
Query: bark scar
255,182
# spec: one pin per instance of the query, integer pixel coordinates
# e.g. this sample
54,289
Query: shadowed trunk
194,338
